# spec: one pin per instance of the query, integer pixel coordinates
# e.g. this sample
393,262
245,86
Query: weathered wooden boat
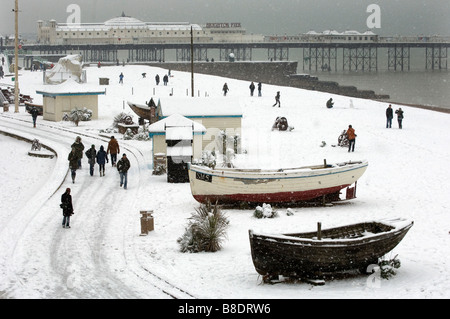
29,106
320,252
293,185
144,111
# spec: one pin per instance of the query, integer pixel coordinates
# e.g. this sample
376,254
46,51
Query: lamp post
16,58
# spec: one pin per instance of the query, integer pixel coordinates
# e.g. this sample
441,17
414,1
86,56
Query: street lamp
16,58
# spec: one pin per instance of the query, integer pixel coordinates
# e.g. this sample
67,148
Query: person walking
102,157
277,99
259,89
73,163
34,114
225,89
91,155
113,149
351,138
121,78
389,116
400,116
123,165
165,79
252,88
157,79
67,207
79,148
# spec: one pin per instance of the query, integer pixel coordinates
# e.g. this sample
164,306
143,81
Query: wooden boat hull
272,186
305,255
143,111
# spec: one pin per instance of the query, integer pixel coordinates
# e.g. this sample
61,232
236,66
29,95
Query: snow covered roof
69,87
201,107
176,120
126,22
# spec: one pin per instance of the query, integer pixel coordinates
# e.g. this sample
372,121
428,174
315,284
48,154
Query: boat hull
290,255
277,186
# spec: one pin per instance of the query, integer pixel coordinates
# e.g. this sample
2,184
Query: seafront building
129,30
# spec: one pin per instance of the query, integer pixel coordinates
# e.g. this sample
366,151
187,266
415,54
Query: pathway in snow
93,259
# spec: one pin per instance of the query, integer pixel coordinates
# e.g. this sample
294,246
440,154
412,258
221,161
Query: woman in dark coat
66,205
91,155
399,113
73,163
102,157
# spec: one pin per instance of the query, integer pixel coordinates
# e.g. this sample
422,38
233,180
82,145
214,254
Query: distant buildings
129,30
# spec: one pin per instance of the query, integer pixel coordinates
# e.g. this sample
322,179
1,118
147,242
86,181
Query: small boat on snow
316,253
231,185
144,111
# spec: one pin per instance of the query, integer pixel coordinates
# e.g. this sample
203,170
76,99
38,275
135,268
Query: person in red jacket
351,138
113,149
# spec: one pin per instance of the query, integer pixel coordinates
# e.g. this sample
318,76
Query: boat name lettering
203,177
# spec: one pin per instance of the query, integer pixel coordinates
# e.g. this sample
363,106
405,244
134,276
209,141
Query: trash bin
147,223
5,106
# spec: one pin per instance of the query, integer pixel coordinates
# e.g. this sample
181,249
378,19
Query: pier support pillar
436,57
320,58
278,54
360,58
399,57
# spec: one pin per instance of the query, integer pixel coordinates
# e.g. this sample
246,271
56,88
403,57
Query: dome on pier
124,21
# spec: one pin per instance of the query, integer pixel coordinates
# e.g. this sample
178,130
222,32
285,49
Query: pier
317,54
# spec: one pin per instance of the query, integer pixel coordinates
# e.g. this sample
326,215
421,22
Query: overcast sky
404,17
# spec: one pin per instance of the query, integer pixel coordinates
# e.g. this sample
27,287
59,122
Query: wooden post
16,58
192,62
325,163
319,231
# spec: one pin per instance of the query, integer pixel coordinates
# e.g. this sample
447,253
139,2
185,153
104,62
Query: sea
417,85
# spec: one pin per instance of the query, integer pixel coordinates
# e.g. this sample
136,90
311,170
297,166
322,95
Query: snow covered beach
103,256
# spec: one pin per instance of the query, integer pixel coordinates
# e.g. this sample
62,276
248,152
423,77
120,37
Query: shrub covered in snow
265,211
123,118
206,230
77,115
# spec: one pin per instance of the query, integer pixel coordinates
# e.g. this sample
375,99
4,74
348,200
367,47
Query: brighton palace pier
129,39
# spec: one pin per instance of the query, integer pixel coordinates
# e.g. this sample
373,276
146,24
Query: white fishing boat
289,185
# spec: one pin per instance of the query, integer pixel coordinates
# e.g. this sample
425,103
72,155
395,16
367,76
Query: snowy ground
103,256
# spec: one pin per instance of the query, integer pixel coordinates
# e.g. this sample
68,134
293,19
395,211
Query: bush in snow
206,230
209,158
122,118
265,211
141,135
77,115
388,267
289,212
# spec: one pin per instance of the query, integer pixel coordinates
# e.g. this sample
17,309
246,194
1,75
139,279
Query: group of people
165,79
100,157
390,116
252,88
351,136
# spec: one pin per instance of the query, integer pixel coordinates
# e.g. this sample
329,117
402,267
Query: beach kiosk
176,140
63,98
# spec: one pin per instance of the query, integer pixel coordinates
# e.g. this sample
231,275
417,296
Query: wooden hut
63,98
